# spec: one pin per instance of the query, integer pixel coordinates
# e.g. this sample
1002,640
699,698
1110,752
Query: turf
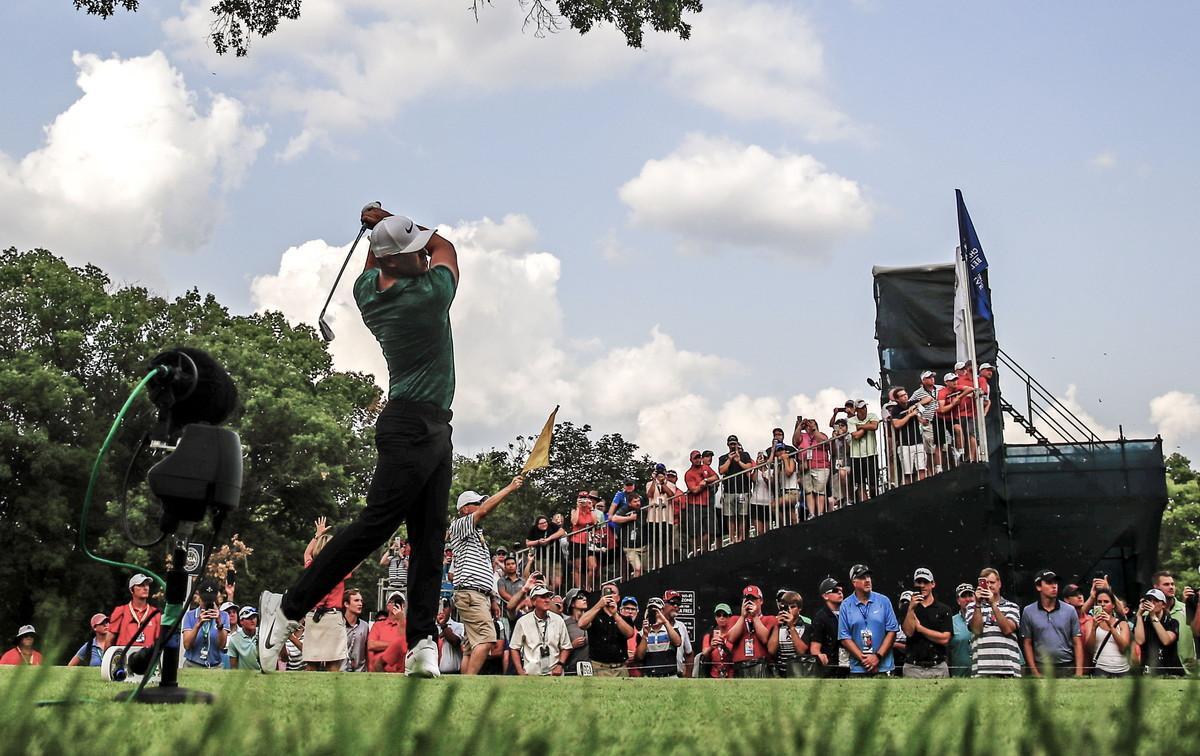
328,713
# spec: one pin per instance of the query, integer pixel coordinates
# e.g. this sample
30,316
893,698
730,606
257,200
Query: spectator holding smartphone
789,639
994,621
716,656
928,625
814,464
735,501
205,631
1186,645
608,633
749,634
658,642
1157,634
1110,642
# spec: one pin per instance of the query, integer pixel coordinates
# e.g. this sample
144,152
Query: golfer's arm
442,252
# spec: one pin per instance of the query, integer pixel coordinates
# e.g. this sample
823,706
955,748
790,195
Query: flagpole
969,326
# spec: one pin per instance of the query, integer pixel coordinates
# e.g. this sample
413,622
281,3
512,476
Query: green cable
87,500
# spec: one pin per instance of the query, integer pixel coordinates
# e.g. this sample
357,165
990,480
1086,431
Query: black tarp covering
914,326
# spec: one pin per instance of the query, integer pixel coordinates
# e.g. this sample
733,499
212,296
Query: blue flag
972,252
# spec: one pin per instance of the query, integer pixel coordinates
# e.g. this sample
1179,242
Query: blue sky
675,243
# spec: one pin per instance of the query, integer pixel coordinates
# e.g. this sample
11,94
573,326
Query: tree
70,352
1179,537
235,21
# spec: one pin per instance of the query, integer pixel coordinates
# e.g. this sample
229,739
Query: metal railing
1050,419
783,487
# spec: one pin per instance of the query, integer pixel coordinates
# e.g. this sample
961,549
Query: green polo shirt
411,322
244,649
1186,644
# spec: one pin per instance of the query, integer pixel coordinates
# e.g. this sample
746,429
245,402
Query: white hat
1153,593
138,579
398,235
247,612
860,403
466,498
540,591
987,366
26,630
923,573
960,365
927,374
229,605
949,377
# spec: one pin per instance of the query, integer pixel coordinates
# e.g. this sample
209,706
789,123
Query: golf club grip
362,230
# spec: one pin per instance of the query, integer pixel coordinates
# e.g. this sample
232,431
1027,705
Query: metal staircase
1043,411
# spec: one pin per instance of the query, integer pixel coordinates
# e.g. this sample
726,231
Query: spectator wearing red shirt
696,501
948,400
125,623
966,407
986,372
23,652
583,517
325,628
715,654
748,636
386,644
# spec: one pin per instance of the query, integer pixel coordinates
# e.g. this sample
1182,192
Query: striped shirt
993,652
397,571
928,411
472,564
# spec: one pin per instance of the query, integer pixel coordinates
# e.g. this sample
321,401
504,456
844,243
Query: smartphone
983,584
231,577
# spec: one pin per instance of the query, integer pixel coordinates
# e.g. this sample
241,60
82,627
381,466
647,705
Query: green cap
723,608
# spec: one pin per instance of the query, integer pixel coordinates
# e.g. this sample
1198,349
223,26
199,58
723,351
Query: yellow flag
539,455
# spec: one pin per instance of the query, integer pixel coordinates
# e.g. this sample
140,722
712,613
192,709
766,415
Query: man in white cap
926,398
23,651
540,641
136,622
475,583
404,295
242,645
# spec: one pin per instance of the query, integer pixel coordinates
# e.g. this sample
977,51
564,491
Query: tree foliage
72,348
236,21
1179,538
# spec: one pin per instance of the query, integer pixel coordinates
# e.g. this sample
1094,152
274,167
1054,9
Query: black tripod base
172,695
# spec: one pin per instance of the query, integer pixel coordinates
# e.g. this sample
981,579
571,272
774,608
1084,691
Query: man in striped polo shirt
474,580
994,621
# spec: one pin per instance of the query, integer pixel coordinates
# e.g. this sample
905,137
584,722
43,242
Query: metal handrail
1053,406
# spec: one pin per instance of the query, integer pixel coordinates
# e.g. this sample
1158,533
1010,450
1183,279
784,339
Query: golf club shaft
346,262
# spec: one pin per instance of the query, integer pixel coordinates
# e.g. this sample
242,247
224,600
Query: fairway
326,713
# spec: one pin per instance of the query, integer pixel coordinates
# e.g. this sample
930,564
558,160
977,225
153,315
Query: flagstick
969,324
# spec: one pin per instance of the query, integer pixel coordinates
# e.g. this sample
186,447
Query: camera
543,652
652,615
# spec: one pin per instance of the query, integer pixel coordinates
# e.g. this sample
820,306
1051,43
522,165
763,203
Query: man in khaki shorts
474,580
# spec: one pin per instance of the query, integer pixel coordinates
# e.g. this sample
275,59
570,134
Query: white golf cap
1153,593
26,630
466,498
987,366
923,573
927,374
949,377
860,403
398,235
960,365
138,579
229,605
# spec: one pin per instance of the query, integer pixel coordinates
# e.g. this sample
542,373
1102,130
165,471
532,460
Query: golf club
326,331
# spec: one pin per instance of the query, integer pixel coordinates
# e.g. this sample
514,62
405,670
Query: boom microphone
195,389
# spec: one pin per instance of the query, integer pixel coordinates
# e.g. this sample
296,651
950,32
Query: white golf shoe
273,630
422,660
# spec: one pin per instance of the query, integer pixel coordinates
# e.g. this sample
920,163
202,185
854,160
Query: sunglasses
675,602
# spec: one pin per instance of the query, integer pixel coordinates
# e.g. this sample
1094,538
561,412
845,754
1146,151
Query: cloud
717,193
757,61
1176,415
1103,161
515,362
344,66
133,166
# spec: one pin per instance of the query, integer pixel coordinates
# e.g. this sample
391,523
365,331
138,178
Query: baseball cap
28,630
629,601
828,585
655,602
949,377
906,596
660,467
670,595
923,573
97,618
961,364
860,403
228,605
694,453
732,440
722,608
247,612
1153,593
138,579
859,570
398,235
928,374
1070,590
467,498
964,589
540,591
1045,576
395,597
987,366
753,591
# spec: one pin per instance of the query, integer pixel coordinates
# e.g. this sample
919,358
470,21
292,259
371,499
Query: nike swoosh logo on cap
410,228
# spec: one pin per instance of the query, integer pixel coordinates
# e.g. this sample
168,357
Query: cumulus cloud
346,65
515,362
717,193
1176,415
134,164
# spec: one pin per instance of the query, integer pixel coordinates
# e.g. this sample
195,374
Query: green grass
327,713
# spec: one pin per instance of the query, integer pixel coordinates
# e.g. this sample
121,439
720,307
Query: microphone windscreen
201,394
